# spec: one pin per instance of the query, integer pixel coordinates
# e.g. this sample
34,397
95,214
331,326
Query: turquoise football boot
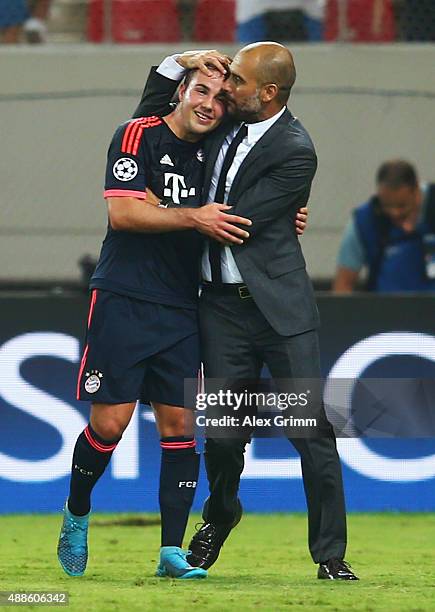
173,564
72,549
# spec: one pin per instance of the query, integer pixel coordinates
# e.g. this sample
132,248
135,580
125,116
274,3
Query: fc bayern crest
125,169
93,381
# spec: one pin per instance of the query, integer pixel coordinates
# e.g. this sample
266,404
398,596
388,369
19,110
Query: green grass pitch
264,566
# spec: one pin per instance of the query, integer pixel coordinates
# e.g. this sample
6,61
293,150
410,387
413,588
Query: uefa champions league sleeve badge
125,169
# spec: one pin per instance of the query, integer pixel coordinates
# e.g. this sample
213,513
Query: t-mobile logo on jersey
175,187
190,484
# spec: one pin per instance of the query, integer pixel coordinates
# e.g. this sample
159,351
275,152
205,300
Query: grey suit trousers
236,341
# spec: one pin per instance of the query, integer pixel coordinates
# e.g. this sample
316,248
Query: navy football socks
91,457
178,478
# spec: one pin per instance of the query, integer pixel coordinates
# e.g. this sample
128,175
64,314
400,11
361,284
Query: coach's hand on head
193,60
214,221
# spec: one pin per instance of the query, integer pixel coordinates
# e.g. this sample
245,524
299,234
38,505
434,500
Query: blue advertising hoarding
40,349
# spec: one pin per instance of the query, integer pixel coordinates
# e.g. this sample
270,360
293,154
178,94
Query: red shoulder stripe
134,131
131,137
138,134
130,126
137,137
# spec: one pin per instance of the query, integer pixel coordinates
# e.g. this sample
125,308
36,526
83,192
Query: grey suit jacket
272,183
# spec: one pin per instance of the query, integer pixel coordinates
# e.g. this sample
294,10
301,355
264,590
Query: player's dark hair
190,74
396,173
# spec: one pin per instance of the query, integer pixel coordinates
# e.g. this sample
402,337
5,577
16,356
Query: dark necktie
215,247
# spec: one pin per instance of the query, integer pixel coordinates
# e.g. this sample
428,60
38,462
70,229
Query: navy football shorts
137,350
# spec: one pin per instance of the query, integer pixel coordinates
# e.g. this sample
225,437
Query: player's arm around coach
287,181
136,215
271,185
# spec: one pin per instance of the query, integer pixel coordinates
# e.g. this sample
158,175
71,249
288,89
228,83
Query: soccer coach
257,305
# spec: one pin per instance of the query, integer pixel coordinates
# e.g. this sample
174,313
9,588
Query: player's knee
109,428
175,431
176,424
179,428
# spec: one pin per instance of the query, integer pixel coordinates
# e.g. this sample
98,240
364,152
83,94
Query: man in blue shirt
392,235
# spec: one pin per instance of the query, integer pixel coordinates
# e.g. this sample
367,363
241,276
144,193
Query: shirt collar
257,130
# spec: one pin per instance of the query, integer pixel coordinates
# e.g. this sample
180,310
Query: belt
236,289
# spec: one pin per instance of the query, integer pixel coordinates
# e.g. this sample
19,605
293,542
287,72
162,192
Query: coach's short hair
396,173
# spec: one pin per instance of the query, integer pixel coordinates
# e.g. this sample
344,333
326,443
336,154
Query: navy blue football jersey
158,267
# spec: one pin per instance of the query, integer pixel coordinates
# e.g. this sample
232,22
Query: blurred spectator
280,20
12,17
35,27
302,23
392,235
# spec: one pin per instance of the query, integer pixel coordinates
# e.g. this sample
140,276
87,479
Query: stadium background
362,103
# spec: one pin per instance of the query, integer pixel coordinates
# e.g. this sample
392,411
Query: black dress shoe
207,542
335,569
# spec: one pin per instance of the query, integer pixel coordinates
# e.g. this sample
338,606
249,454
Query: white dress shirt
230,273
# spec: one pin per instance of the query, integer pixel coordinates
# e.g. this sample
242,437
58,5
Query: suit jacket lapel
267,140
